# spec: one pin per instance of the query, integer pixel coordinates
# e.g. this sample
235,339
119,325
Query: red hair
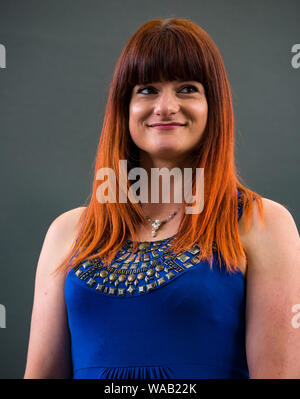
167,50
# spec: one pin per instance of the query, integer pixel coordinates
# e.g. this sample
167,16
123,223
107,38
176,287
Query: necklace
156,224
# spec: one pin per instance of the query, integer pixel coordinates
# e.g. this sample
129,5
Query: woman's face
168,102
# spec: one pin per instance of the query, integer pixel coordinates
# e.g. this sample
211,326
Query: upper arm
273,288
49,352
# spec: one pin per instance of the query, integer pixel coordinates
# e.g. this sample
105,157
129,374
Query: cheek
136,112
136,120
200,112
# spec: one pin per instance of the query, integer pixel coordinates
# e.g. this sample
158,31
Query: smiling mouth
166,127
167,124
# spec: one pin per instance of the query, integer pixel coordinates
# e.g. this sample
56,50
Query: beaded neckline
137,273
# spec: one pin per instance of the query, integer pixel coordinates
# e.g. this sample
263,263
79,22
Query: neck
171,184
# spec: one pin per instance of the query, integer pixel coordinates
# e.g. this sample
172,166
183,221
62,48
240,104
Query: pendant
155,226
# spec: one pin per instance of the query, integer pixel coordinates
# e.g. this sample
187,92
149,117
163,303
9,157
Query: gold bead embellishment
159,268
122,278
146,258
144,245
150,272
113,277
131,277
103,273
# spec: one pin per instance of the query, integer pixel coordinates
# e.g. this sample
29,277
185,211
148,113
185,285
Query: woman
137,289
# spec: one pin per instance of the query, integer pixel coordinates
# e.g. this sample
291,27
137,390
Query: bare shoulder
278,228
65,225
59,238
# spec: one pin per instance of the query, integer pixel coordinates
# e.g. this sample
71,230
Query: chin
166,152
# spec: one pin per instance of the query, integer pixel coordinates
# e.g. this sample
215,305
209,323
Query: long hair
167,50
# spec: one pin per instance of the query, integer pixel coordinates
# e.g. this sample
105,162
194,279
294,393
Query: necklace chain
156,224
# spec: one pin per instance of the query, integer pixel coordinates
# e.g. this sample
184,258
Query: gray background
60,60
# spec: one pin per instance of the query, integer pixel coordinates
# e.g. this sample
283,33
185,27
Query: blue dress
156,316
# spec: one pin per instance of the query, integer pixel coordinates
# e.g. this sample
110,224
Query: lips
168,124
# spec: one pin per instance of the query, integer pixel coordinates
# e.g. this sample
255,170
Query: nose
166,103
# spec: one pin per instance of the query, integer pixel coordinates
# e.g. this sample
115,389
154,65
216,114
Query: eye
189,87
152,88
145,88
